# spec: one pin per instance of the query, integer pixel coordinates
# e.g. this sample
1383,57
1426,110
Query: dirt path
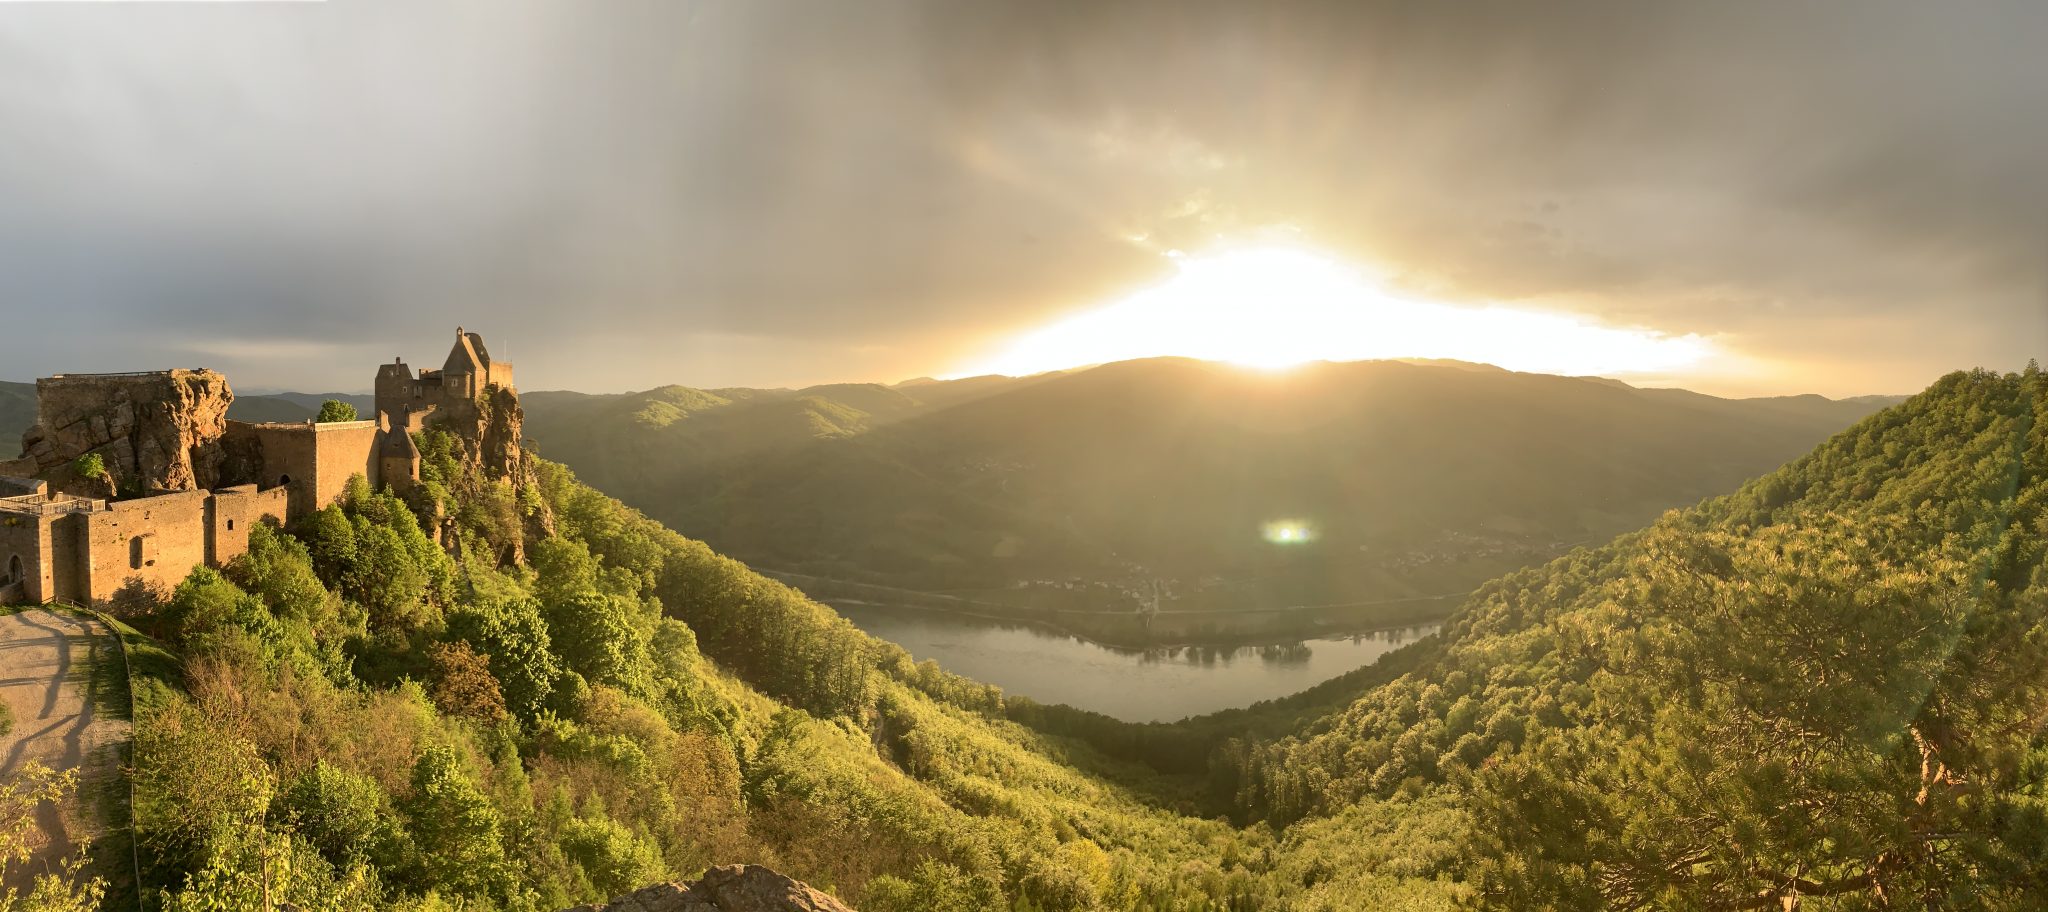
46,662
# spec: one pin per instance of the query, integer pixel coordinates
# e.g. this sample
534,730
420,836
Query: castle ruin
142,477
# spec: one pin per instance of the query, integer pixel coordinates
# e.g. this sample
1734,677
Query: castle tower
466,370
398,459
469,371
454,397
396,392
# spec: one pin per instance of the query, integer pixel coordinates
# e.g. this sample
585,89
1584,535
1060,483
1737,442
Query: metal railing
155,373
37,505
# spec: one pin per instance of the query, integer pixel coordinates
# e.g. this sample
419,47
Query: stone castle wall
400,394
341,451
211,480
237,510
45,537
314,460
156,539
27,539
89,553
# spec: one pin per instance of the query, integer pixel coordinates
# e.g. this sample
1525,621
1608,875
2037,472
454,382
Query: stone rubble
727,888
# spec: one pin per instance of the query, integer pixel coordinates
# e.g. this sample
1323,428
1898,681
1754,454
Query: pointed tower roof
466,357
398,442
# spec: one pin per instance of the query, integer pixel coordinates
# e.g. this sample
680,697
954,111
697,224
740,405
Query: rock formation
153,432
729,888
490,429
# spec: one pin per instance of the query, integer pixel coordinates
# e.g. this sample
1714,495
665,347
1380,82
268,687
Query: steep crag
152,432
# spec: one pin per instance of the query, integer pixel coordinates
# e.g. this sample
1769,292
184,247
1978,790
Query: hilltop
1096,489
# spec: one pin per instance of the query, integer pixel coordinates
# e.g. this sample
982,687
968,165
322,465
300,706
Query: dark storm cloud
634,193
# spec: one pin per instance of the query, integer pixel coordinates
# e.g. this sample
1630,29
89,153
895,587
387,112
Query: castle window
231,525
283,480
135,553
14,571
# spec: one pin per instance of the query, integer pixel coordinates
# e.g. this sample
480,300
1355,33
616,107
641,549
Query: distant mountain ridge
1150,481
1103,488
17,412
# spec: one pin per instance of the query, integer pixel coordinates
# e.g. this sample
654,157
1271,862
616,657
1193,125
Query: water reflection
1137,685
1288,653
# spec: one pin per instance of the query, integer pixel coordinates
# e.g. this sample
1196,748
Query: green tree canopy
335,410
90,465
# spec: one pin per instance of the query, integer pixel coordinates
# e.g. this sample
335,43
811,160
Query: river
1137,686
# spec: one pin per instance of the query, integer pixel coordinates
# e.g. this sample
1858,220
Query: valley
1359,456
1172,501
562,700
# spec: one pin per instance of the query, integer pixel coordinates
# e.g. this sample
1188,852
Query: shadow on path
49,690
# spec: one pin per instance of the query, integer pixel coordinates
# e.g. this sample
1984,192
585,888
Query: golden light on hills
1276,307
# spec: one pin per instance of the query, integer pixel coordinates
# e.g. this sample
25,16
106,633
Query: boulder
728,888
157,431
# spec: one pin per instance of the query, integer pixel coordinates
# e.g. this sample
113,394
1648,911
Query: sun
1277,307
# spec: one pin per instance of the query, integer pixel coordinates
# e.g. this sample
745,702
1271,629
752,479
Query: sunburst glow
1278,307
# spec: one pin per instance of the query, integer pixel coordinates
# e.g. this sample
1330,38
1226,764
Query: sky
1842,198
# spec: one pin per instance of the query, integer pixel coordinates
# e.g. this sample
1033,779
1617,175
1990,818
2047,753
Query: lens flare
1289,532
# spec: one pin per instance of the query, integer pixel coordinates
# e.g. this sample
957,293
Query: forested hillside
1387,480
347,717
1824,691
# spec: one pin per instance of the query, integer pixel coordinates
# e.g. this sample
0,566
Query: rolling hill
294,406
1096,489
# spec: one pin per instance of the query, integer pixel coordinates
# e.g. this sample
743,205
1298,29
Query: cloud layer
771,192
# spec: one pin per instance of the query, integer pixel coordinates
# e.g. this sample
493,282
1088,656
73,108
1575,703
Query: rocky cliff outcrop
153,432
503,426
489,429
730,888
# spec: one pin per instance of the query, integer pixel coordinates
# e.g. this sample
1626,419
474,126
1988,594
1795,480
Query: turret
466,371
398,459
394,389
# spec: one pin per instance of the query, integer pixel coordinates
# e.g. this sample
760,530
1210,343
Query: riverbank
1148,630
1159,684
